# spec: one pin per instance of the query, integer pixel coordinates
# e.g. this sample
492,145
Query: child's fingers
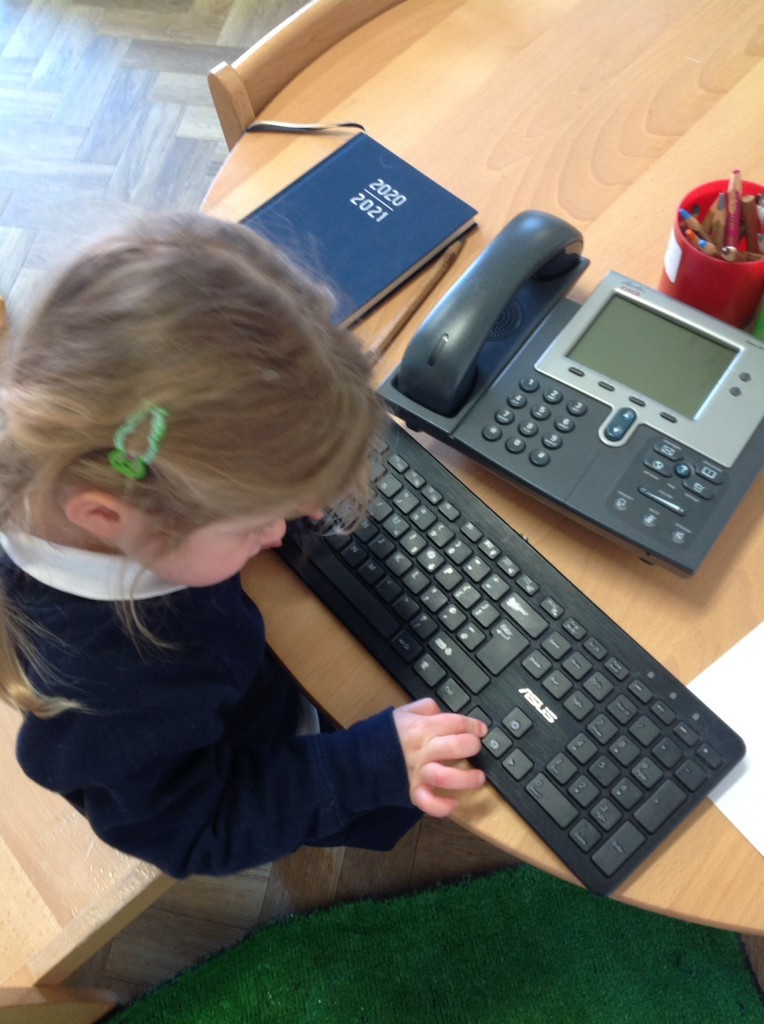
453,746
424,706
451,777
444,721
434,804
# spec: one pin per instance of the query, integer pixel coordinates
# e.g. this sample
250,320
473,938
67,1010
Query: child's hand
430,739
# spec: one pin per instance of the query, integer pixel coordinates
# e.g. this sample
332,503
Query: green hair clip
135,467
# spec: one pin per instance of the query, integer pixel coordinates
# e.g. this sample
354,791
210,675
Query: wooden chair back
65,894
241,90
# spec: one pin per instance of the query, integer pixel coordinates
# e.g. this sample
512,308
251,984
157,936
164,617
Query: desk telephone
633,413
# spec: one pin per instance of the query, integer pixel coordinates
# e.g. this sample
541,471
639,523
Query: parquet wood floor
105,114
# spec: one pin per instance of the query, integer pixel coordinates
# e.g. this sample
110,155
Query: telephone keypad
527,426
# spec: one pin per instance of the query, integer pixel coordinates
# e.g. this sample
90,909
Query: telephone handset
440,366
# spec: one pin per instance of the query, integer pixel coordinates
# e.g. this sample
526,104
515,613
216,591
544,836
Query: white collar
90,574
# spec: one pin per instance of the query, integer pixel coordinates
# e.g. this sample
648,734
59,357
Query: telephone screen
653,355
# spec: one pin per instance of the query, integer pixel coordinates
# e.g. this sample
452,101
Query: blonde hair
270,405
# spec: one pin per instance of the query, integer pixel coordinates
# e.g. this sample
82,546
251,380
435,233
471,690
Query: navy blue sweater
186,755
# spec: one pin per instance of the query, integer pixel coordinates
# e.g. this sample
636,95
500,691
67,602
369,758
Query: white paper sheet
733,687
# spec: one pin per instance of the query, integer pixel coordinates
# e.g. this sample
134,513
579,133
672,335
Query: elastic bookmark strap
135,467
304,129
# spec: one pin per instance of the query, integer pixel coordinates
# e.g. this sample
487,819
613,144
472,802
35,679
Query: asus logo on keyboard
538,704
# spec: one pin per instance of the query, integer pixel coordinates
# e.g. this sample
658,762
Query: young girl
178,395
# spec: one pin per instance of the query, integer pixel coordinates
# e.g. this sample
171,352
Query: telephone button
658,465
700,488
553,396
529,384
564,424
504,416
620,424
517,401
528,428
683,470
540,457
515,445
551,441
577,407
668,450
492,433
541,412
711,473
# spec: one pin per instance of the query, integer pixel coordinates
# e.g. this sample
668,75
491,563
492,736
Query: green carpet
516,947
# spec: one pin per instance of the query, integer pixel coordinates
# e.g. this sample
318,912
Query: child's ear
99,513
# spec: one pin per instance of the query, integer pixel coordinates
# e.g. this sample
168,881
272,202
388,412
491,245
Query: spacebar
373,610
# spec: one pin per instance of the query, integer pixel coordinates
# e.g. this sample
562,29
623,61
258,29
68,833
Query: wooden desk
606,114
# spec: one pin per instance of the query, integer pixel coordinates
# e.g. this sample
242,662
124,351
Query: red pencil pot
729,291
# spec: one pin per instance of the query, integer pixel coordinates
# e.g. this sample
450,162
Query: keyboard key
585,835
659,806
458,552
582,748
622,709
505,644
459,663
452,695
667,752
452,617
521,612
602,728
578,705
429,670
577,665
552,608
614,853
495,587
604,771
644,730
691,775
685,733
536,664
477,569
606,814
558,684
433,599
517,765
598,686
556,646
625,751
407,646
562,768
628,794
583,791
470,636
485,614
550,799
517,723
709,755
405,607
496,742
423,625
647,772
440,534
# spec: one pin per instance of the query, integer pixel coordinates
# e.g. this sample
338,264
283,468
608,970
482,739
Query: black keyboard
591,740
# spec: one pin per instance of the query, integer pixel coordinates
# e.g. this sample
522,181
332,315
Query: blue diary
362,220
